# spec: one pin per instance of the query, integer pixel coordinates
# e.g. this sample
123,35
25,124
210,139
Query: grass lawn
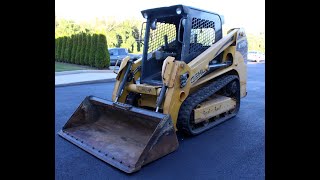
69,67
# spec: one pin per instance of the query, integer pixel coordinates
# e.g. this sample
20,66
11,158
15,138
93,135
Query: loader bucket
124,136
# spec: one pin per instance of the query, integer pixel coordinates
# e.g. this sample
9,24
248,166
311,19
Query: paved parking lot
232,150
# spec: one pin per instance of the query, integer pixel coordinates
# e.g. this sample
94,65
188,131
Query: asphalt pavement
232,150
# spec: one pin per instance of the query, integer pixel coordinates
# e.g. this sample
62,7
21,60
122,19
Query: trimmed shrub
93,47
74,48
64,49
57,49
87,50
77,56
67,51
63,46
102,57
83,48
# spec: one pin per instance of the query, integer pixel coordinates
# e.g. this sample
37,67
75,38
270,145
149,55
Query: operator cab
179,31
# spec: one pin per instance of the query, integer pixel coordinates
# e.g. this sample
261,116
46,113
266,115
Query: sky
249,14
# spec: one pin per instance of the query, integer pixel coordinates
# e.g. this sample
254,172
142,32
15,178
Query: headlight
178,10
145,15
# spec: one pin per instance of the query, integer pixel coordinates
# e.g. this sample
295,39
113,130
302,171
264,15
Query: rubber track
196,98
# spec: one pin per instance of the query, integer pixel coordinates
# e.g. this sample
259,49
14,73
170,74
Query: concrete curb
82,71
86,82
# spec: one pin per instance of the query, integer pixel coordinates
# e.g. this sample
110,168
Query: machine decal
197,75
143,89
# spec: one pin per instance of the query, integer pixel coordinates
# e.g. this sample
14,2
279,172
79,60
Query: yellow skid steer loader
190,78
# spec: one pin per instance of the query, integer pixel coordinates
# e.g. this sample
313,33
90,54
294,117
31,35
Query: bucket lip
133,109
91,150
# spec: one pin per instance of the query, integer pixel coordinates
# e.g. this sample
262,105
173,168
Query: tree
60,48
74,49
79,43
63,46
102,57
93,47
66,28
83,48
67,51
125,33
57,54
64,49
256,42
87,50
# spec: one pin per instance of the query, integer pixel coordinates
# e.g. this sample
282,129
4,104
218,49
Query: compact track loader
190,78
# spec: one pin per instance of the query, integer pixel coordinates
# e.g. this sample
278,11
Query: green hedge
60,49
102,58
73,49
93,48
84,49
87,50
63,46
77,57
57,57
67,51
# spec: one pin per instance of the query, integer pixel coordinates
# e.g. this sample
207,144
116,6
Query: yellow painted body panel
147,101
176,95
143,89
